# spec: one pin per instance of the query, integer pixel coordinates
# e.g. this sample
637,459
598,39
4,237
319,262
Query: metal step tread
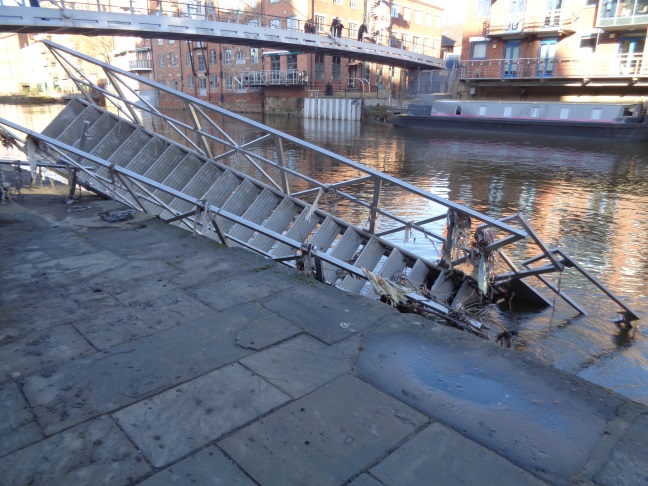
258,211
278,221
369,257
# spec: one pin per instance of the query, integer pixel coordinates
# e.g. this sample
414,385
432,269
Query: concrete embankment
135,352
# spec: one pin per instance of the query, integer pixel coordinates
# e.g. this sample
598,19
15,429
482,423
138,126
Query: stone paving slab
242,287
93,453
325,438
626,463
302,364
40,350
439,455
332,316
78,390
177,422
18,427
121,322
209,467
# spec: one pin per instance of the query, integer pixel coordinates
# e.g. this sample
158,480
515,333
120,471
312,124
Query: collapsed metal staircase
184,173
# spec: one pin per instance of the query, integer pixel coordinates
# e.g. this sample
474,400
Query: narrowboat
626,122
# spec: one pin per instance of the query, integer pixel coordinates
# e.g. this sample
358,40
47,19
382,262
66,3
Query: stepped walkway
135,353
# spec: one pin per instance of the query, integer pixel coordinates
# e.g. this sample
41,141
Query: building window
319,67
337,2
353,3
337,68
190,82
189,59
160,42
228,82
418,17
212,57
213,81
292,23
292,62
172,59
428,19
482,9
240,57
353,30
254,55
175,84
379,73
394,10
202,82
406,14
240,87
275,23
416,44
588,44
320,22
171,41
271,1
478,50
200,57
253,22
161,62
227,56
591,3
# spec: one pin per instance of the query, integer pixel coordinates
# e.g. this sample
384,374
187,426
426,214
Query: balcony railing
140,65
624,65
613,13
290,77
540,21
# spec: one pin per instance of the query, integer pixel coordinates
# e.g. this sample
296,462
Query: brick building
243,78
555,49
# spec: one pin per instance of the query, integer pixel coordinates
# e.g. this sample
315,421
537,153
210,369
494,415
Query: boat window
458,110
596,114
507,111
564,113
628,111
535,111
482,110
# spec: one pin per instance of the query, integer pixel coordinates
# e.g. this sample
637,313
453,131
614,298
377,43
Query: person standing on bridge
361,32
334,25
339,28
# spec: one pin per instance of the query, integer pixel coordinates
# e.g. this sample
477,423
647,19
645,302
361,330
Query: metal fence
622,65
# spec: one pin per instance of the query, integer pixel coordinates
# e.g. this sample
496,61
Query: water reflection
589,198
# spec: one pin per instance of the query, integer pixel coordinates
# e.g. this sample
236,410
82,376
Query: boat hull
627,132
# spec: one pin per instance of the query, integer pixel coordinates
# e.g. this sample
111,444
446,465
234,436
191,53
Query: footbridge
207,24
242,183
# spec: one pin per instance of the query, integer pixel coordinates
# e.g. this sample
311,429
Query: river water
590,198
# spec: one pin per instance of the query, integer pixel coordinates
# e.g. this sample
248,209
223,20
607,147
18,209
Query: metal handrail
261,152
621,65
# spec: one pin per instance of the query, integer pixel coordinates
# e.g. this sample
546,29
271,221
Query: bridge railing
245,16
290,77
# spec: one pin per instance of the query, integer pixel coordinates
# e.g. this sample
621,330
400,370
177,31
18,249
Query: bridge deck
92,23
